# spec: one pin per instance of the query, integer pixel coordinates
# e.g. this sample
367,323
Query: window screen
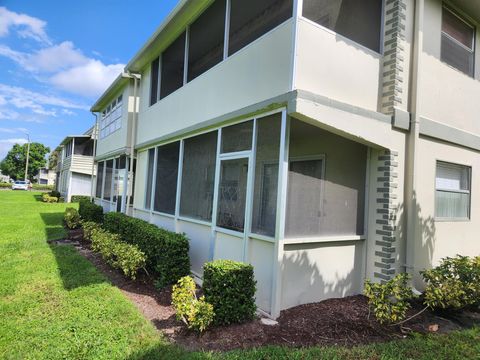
237,137
198,176
107,189
148,190
206,38
172,67
457,42
250,19
452,195
98,187
166,178
266,175
154,81
359,21
232,194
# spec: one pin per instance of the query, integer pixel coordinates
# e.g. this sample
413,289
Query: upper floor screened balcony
77,154
211,58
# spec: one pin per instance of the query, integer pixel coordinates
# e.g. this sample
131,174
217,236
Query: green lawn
55,305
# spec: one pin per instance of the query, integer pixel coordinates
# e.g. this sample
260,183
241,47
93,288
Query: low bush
230,287
79,198
389,301
55,193
49,199
454,284
166,251
5,185
197,314
71,218
118,254
90,212
42,187
89,227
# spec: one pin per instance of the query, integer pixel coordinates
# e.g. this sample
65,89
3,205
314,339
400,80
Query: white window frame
107,118
469,192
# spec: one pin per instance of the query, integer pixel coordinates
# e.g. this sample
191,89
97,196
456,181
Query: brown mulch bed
343,321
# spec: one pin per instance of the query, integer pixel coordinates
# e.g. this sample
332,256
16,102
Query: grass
55,305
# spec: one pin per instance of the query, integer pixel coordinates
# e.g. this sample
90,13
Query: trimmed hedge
49,199
43,187
90,212
71,218
230,287
79,198
5,185
89,227
166,251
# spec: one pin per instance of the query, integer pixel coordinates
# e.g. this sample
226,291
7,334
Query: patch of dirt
344,321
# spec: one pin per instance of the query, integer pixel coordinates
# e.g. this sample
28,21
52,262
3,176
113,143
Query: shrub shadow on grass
75,271
38,197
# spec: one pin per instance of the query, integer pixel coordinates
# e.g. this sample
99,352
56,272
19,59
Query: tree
53,158
14,163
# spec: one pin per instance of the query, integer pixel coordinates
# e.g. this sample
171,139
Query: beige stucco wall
336,67
258,72
446,94
437,239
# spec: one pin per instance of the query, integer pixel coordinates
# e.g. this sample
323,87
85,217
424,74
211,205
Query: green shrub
55,193
166,251
5,185
79,198
49,199
197,314
71,218
118,254
42,187
389,301
89,227
454,284
230,287
90,212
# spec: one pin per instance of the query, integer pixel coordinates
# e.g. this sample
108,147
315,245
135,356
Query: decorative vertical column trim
385,223
393,55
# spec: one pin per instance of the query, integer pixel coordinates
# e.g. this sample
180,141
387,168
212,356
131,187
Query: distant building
4,178
46,176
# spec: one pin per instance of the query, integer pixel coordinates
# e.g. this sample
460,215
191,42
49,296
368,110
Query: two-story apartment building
322,141
75,165
46,176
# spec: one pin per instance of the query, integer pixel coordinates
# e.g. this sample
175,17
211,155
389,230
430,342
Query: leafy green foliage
53,158
454,284
14,163
166,251
42,187
90,212
230,287
49,199
71,218
197,314
5,185
89,227
79,198
118,254
389,301
55,193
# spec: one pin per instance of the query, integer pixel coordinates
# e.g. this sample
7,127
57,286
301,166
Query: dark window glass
237,137
360,21
98,190
107,189
206,37
172,67
148,190
154,81
250,19
166,178
198,175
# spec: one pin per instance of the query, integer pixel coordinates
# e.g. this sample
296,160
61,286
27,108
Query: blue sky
57,57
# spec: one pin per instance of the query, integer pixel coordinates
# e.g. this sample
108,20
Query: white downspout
412,141
94,133
136,79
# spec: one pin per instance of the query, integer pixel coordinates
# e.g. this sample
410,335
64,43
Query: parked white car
20,185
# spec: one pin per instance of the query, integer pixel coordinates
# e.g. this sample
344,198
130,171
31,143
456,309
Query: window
266,175
154,78
173,63
206,38
148,192
107,190
166,178
359,21
250,19
232,194
68,149
198,176
457,42
98,189
111,118
452,191
237,137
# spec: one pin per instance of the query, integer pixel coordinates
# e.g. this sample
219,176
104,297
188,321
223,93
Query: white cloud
89,80
6,145
13,130
6,114
26,26
20,141
68,112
